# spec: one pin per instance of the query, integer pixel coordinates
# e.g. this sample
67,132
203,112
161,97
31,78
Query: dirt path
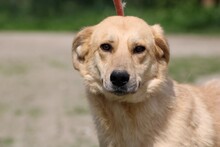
187,45
42,100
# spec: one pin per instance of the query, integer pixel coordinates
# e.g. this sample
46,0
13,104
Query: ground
42,100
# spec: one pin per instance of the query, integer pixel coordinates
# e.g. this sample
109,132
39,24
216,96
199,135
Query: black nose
119,77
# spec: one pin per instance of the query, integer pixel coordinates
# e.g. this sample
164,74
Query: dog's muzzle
120,83
119,80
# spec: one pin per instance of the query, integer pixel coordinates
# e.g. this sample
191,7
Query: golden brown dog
124,63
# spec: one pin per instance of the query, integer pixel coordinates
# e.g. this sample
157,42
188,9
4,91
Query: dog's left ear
162,47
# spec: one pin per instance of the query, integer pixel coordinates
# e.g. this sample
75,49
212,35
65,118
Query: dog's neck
151,114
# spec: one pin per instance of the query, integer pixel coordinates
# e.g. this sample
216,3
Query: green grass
10,69
35,112
82,142
77,110
3,108
57,64
182,19
188,69
178,19
6,142
62,22
18,112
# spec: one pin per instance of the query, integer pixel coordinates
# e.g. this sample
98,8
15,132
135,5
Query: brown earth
42,100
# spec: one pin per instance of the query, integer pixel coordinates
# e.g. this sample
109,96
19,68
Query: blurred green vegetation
71,15
188,69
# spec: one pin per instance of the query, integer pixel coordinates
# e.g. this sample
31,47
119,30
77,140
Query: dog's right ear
80,47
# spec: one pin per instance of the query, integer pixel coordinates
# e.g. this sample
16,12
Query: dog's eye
139,49
106,47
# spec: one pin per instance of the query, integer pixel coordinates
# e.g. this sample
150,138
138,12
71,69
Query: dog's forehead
126,22
126,26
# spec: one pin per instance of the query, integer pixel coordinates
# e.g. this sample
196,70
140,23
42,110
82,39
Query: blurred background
70,15
42,100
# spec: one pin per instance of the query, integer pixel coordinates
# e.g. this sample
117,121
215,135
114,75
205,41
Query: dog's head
121,57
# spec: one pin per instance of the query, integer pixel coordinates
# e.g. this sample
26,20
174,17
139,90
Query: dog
134,103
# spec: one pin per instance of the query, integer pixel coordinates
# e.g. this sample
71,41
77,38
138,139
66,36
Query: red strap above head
119,7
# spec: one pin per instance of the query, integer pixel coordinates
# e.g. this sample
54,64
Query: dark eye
106,47
139,49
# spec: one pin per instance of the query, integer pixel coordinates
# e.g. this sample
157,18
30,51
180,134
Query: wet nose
119,77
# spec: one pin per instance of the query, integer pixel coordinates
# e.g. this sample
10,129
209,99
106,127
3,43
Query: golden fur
155,111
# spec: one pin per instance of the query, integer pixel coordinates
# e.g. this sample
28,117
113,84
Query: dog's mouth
121,90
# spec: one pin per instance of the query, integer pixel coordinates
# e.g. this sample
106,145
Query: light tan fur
156,111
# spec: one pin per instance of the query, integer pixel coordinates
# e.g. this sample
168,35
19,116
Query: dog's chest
124,126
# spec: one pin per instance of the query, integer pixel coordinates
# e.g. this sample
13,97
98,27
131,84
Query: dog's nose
119,77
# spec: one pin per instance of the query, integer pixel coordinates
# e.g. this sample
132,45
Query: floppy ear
80,47
162,47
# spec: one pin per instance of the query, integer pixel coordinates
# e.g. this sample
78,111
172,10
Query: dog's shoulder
211,90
